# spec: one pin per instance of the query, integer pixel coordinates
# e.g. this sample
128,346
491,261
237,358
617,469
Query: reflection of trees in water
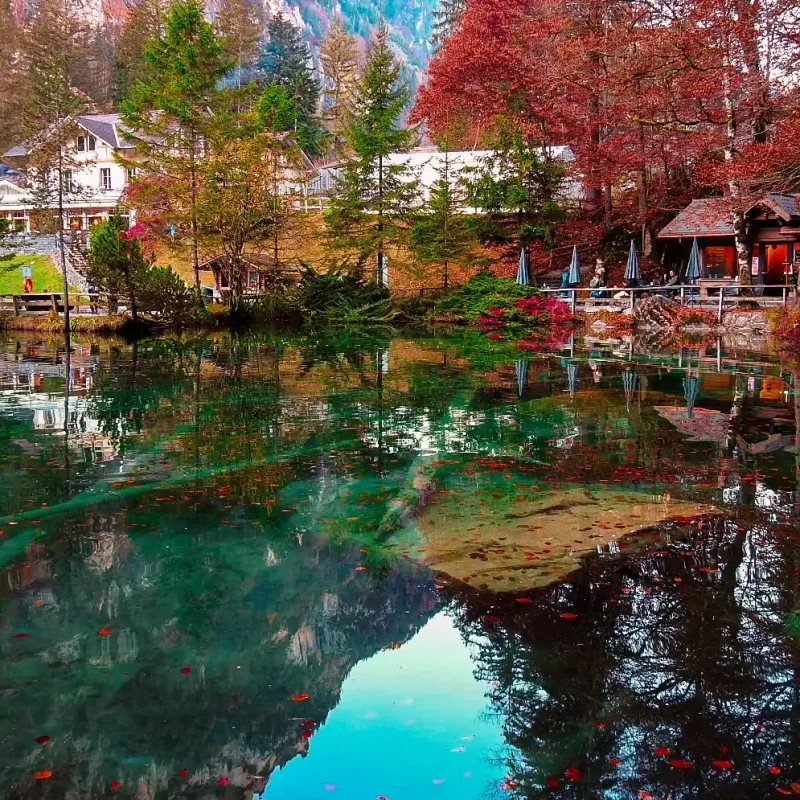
702,666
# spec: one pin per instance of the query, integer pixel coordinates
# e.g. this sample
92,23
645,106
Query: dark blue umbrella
630,381
575,268
693,267
572,377
691,390
522,375
522,273
632,269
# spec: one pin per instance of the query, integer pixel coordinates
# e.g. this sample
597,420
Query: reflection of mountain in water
256,616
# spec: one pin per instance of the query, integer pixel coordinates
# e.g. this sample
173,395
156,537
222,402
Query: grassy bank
44,273
54,324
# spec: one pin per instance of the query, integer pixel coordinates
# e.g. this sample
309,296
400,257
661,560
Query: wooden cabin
773,232
262,274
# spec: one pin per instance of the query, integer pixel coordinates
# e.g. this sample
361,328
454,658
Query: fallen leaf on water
308,723
795,787
42,774
723,764
524,600
643,795
774,770
572,774
662,751
104,632
615,762
551,782
20,636
186,670
307,734
113,785
42,739
298,698
224,781
783,790
568,615
183,772
360,569
680,763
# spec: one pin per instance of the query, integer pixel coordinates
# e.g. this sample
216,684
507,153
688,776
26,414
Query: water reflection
207,537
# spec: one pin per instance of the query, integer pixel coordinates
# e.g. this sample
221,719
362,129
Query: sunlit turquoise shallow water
395,567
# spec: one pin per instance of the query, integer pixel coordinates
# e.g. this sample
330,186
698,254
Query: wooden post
683,295
721,301
574,300
784,296
633,294
54,302
15,298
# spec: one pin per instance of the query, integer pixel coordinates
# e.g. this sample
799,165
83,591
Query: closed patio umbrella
632,268
572,377
523,279
575,268
691,390
693,267
522,375
630,381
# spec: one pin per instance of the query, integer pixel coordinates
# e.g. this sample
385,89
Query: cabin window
67,181
253,278
105,178
87,144
719,261
131,173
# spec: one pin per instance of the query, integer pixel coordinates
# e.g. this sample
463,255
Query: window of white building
87,144
68,182
105,178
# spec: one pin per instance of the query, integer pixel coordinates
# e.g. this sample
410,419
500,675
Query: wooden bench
39,304
704,284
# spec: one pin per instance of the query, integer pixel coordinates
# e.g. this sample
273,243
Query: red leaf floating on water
360,569
568,615
104,632
643,795
508,785
113,785
783,790
224,780
309,723
774,770
795,787
186,670
598,725
615,762
723,764
307,734
662,751
492,618
42,739
298,698
551,782
680,763
183,772
42,774
572,775
20,636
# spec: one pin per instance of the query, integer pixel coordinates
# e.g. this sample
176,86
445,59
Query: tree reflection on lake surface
302,567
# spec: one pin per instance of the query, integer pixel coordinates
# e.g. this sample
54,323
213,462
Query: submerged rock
539,539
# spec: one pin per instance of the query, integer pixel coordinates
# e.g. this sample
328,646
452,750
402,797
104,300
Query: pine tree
238,23
169,114
55,63
521,178
339,64
146,21
374,205
445,20
11,77
441,235
286,61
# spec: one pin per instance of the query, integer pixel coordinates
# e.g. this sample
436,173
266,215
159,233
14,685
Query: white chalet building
95,185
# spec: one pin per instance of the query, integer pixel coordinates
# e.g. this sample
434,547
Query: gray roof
710,216
789,204
106,127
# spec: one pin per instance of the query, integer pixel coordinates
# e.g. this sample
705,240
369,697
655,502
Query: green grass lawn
45,275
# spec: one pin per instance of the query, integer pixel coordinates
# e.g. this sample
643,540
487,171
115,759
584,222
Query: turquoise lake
399,567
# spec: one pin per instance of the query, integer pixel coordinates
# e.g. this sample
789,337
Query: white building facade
95,183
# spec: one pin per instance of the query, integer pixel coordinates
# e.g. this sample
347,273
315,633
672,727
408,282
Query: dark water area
397,568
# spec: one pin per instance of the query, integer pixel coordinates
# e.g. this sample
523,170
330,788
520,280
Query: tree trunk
61,244
193,176
742,248
380,222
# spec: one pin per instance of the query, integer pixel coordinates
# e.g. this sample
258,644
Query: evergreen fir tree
339,63
56,64
374,206
445,20
286,60
441,235
11,77
520,177
171,112
238,24
146,21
